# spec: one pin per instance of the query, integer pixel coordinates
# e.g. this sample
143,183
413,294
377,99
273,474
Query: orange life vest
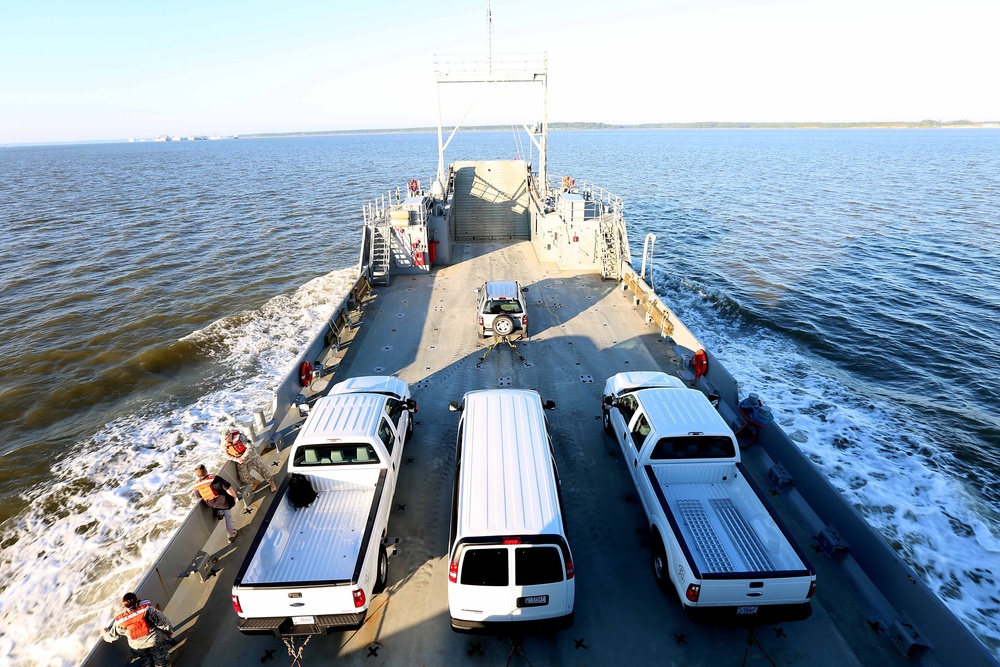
134,622
204,488
235,445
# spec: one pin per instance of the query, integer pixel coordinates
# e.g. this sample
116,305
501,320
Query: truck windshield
335,455
694,447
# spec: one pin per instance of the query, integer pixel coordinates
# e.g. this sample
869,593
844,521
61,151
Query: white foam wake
878,455
116,501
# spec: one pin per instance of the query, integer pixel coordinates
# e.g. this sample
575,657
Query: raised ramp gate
491,200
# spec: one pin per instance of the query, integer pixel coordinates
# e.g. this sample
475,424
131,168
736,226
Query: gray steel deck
583,330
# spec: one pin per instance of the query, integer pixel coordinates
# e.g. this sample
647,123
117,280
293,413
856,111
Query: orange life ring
414,186
568,182
700,363
305,374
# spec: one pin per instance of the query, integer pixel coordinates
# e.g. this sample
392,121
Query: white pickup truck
314,568
714,538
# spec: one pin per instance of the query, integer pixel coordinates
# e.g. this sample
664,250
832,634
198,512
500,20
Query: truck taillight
693,591
236,604
480,320
524,320
812,589
359,598
453,572
569,569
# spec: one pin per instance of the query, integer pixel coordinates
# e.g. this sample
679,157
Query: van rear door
484,583
540,589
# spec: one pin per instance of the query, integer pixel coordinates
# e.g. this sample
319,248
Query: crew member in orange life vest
148,631
238,449
218,494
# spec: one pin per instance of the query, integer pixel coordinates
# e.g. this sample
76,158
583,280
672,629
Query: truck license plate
749,609
303,620
533,601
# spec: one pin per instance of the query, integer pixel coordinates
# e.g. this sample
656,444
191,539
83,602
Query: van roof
675,411
342,415
506,484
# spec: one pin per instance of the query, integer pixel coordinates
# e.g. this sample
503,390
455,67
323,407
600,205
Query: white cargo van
510,564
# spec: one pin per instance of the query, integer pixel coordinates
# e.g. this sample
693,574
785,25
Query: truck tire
503,325
660,565
382,575
409,426
607,420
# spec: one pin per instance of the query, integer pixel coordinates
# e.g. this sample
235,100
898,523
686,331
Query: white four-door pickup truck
314,568
714,537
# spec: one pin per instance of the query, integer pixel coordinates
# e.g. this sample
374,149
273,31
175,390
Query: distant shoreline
891,125
925,124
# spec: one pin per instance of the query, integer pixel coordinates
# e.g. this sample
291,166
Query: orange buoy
305,374
700,364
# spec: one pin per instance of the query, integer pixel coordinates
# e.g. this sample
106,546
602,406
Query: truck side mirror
609,401
411,405
454,406
549,405
713,398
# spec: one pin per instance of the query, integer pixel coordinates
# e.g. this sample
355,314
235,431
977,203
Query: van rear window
694,447
537,565
485,567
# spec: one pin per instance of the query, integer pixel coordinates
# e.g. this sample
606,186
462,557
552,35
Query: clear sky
77,70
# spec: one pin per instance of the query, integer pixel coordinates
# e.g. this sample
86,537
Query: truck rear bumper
765,614
283,626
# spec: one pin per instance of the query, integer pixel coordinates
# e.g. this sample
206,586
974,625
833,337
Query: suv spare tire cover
503,325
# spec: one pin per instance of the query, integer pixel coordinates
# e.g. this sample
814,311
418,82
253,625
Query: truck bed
317,543
726,526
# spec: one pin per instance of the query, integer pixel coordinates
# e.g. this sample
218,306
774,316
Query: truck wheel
607,421
409,426
382,577
660,565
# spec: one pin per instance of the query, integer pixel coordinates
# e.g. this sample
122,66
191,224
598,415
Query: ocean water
150,292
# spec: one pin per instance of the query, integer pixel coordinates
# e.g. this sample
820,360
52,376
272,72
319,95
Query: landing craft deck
585,330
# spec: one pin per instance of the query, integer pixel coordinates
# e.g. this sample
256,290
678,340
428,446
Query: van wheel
503,325
660,565
382,577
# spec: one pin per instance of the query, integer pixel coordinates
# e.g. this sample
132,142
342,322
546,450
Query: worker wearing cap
238,448
148,631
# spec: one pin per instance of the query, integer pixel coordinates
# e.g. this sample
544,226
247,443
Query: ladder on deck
611,254
380,254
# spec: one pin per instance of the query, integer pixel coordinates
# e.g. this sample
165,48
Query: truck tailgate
321,600
785,588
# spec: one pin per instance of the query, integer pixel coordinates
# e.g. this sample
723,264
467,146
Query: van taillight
569,569
693,591
512,540
359,598
453,572
812,589
236,604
